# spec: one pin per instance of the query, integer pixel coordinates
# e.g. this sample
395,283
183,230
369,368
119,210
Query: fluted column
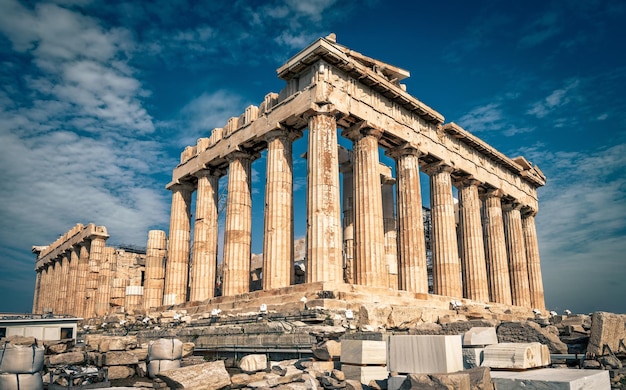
278,269
64,284
532,255
323,206
495,249
96,253
45,288
177,266
72,283
412,270
238,226
81,280
205,235
106,270
36,299
348,221
518,266
446,265
56,285
156,254
391,231
369,232
473,263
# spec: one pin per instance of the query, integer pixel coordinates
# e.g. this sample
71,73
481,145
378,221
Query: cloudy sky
98,99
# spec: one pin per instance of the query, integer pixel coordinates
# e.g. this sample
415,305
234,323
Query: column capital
406,149
528,211
491,193
241,154
215,172
510,205
437,167
282,131
181,186
362,129
321,109
467,182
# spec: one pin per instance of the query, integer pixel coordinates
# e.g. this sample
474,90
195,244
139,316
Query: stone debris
516,355
206,376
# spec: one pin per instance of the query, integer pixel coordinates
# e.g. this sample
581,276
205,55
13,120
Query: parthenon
364,227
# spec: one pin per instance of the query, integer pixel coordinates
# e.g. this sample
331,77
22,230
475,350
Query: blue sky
98,99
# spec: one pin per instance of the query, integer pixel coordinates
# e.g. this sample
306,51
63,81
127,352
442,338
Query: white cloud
490,117
557,98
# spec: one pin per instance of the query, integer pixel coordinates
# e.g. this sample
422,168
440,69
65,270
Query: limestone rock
141,353
353,385
480,378
364,374
363,352
317,366
242,380
121,372
25,341
253,363
480,336
528,332
551,378
472,357
456,381
206,376
188,349
67,358
324,332
121,343
327,350
606,329
425,353
119,358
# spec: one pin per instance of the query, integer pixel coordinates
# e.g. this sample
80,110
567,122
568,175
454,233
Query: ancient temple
484,249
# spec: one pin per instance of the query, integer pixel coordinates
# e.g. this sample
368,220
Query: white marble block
425,354
394,382
516,355
480,336
363,352
552,378
364,374
472,357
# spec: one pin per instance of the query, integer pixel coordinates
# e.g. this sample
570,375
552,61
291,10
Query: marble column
64,298
446,264
177,265
45,289
518,266
156,254
412,270
473,263
55,266
532,255
72,283
278,268
370,268
81,280
205,235
495,248
238,226
324,257
391,231
36,295
107,269
348,221
96,256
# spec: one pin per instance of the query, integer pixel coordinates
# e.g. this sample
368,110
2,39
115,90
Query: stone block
188,349
363,352
119,358
253,363
606,329
456,381
394,382
480,336
472,357
327,350
317,366
424,354
67,358
141,353
480,378
121,372
206,376
516,355
552,378
364,374
242,380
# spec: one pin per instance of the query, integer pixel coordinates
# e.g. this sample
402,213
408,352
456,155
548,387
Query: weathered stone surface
551,378
353,385
121,343
242,380
425,354
120,372
327,350
317,366
456,381
528,332
207,376
606,329
26,341
395,381
119,358
67,358
480,378
188,349
141,353
326,332
480,336
472,357
364,374
516,355
363,352
253,363
57,348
